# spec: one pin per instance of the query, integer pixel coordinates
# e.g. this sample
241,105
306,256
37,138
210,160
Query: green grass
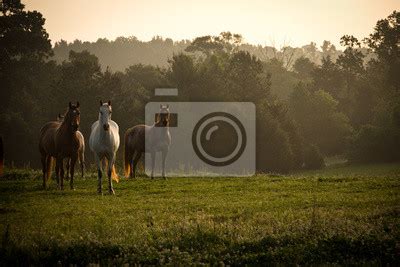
344,215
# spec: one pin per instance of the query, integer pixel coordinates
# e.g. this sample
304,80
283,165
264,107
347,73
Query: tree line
123,52
338,103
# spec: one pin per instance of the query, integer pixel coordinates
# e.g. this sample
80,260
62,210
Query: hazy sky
293,22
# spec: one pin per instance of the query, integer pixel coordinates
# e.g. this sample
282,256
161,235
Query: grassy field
344,215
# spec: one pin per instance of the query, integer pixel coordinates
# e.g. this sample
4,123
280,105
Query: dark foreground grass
346,215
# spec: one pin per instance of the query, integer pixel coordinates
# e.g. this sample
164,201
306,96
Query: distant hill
126,51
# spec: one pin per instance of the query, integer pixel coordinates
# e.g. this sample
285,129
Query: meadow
339,215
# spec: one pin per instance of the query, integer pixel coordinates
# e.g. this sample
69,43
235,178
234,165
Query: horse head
73,116
105,114
163,115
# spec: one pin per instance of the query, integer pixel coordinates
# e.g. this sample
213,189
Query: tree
374,144
78,77
25,75
351,61
244,80
313,159
304,67
208,45
23,41
183,74
328,50
329,77
311,51
21,33
320,122
384,41
385,38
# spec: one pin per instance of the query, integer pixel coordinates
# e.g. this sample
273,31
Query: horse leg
153,162
43,159
164,158
82,162
135,162
62,172
49,160
131,164
128,161
58,172
109,173
72,170
61,166
67,166
99,173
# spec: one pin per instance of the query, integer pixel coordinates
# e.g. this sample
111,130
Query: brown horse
81,155
157,140
60,140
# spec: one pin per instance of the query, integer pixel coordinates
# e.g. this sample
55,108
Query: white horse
148,139
104,142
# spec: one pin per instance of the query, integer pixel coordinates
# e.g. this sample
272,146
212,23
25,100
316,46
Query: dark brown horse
59,140
158,140
81,155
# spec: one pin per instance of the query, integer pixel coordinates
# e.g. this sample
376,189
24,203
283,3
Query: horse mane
66,117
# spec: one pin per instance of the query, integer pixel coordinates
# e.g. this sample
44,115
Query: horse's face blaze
105,116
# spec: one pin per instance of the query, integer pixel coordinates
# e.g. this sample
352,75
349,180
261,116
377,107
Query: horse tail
114,174
82,153
127,156
49,166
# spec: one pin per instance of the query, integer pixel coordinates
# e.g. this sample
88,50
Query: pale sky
290,22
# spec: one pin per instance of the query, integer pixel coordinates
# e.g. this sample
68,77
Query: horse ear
101,103
70,105
167,105
77,104
109,102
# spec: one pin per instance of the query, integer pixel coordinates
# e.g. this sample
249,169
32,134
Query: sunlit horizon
273,23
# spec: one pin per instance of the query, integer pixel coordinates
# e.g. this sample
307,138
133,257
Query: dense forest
123,52
311,102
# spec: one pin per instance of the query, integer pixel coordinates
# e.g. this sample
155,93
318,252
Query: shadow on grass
207,247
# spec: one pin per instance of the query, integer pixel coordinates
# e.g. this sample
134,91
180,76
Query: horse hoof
99,192
112,192
72,188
